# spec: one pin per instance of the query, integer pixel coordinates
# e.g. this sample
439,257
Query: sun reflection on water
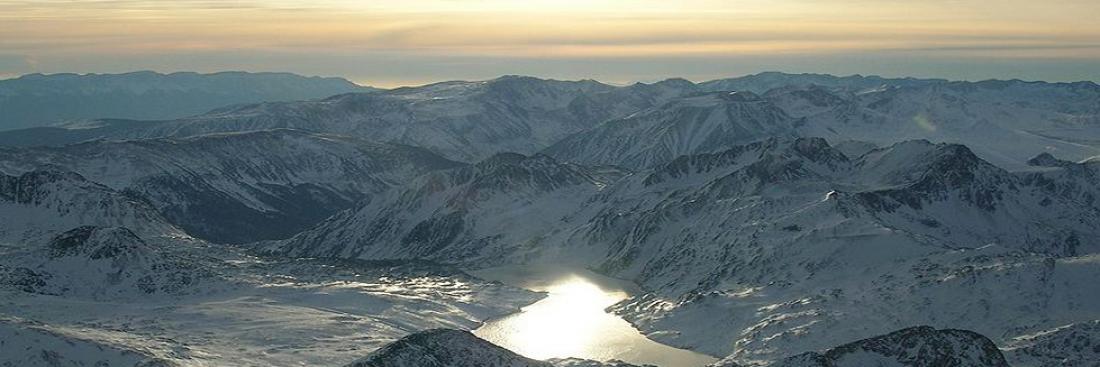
565,323
571,322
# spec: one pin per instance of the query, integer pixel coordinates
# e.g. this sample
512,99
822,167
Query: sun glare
572,322
565,324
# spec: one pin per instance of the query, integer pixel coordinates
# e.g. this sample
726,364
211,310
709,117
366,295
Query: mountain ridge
36,100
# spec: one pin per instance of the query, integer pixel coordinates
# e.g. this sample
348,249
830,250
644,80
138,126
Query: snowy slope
37,205
103,263
789,249
466,121
444,348
40,100
1074,181
254,311
497,208
747,241
700,123
1073,345
912,347
24,343
239,187
787,243
456,348
766,81
1004,122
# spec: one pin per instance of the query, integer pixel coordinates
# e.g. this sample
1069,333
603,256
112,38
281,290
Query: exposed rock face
921,346
1074,345
103,263
696,124
239,187
466,121
914,347
783,241
750,233
1005,122
36,205
444,348
486,211
456,348
1047,160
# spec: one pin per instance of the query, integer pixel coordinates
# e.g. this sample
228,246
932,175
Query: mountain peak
676,82
29,185
95,242
1045,159
444,348
502,158
763,153
921,346
716,99
512,170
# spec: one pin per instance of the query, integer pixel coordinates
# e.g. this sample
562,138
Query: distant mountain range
37,100
1004,122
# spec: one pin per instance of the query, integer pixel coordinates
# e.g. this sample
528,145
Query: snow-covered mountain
787,243
766,81
36,205
778,220
700,123
912,347
26,343
444,348
238,187
1073,345
461,120
37,100
1072,180
1004,122
103,294
467,121
499,207
800,241
102,263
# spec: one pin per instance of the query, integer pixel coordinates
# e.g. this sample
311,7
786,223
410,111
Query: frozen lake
571,321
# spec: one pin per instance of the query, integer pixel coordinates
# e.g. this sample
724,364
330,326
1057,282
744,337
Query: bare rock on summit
921,346
444,348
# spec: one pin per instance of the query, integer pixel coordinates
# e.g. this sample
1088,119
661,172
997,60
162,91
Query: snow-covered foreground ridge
913,347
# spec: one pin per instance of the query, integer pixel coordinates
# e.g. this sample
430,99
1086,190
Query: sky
406,42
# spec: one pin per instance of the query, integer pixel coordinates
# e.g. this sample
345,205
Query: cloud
515,35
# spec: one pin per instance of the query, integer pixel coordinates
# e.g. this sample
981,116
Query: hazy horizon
421,41
613,83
